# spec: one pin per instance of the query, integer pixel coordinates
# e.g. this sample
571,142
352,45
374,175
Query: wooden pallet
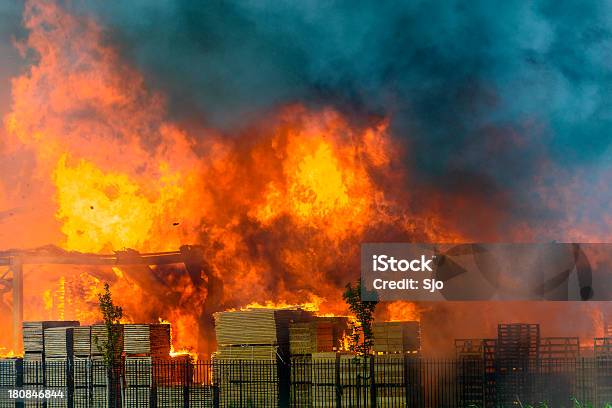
81,343
170,396
255,383
396,337
58,342
200,396
138,397
257,326
33,333
147,339
33,369
322,334
247,352
100,332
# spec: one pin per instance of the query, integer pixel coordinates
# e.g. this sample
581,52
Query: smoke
496,101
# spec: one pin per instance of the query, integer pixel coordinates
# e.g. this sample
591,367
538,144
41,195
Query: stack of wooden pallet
9,380
81,378
58,342
138,372
200,396
241,380
99,336
81,345
389,371
354,379
33,369
97,379
301,381
34,356
145,346
322,334
147,339
58,380
81,348
396,337
324,379
33,333
138,397
257,326
58,346
251,342
170,396
34,348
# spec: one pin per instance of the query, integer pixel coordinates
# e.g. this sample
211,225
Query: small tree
364,312
111,314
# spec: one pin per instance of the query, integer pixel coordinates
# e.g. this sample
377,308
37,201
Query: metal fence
381,381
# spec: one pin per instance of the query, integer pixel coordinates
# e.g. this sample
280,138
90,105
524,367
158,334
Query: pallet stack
518,346
171,377
470,355
257,326
355,377
99,382
151,340
259,337
144,345
81,348
346,371
516,359
555,349
603,366
324,377
301,381
10,378
322,334
397,337
99,388
389,371
99,335
58,363
200,396
34,354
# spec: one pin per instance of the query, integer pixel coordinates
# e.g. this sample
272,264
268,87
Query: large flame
279,208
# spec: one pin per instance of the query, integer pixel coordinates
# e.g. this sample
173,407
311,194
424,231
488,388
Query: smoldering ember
185,188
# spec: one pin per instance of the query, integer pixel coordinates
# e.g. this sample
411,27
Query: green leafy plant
364,312
111,314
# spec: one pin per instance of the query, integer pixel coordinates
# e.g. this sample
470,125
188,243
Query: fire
176,352
108,211
403,311
269,304
279,210
325,183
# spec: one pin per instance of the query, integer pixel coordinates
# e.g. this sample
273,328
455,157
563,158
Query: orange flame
278,209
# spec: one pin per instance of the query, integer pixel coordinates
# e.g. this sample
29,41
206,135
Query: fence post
372,383
338,385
